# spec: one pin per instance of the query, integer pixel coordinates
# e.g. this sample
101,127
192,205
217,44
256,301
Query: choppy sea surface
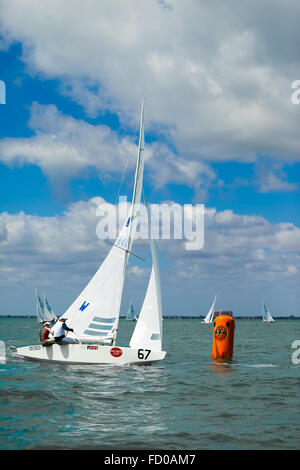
187,401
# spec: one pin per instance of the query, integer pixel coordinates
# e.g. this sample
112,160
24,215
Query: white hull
90,354
268,321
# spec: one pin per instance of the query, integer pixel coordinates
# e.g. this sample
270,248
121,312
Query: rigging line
124,172
128,251
122,179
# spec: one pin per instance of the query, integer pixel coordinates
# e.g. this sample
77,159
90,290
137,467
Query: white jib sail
94,315
210,315
148,330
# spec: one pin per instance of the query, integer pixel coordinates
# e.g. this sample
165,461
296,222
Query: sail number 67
143,353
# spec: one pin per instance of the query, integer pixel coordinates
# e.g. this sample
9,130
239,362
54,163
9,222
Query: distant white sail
131,313
43,310
267,317
148,330
39,308
209,317
48,310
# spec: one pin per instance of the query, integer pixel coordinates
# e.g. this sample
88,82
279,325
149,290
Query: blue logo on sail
127,223
84,306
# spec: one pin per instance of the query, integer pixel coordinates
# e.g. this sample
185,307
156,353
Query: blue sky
220,129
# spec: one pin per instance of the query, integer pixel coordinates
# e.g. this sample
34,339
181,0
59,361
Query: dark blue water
184,402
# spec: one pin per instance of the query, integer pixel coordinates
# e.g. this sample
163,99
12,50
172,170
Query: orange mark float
223,337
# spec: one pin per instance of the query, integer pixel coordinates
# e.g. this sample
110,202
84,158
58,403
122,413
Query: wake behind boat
94,315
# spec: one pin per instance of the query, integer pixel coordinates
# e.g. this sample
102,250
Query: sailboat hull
89,354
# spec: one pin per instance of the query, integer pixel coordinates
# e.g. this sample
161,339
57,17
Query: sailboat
209,317
266,315
94,315
43,310
131,316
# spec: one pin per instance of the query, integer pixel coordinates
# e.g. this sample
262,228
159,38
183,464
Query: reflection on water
223,366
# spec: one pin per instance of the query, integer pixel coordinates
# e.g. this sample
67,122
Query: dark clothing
65,327
59,338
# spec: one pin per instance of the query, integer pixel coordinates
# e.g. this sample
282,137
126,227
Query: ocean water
185,402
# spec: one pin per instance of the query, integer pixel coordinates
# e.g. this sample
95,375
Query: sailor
47,330
43,330
46,337
59,331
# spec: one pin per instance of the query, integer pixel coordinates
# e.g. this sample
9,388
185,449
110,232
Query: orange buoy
223,337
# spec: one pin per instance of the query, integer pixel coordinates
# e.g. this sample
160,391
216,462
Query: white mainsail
148,330
94,315
209,317
267,317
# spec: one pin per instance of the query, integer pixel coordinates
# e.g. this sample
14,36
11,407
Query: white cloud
65,147
220,82
64,251
270,177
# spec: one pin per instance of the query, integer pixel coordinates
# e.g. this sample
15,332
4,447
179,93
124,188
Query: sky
221,129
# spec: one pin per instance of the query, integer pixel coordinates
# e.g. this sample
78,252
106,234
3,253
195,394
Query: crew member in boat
59,331
44,331
47,331
46,337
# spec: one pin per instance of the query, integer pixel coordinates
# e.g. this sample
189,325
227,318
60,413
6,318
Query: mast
136,198
138,179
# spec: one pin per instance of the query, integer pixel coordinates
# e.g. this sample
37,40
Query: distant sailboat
131,316
210,316
266,315
43,310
